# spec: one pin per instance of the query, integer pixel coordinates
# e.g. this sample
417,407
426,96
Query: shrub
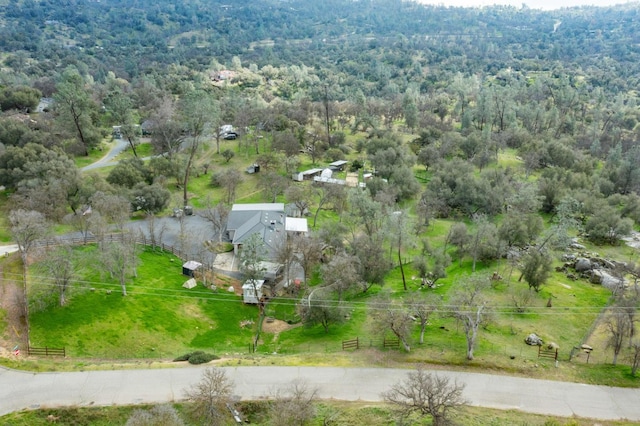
184,357
197,357
201,358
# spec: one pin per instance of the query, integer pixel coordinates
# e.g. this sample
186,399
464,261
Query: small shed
252,291
306,175
254,168
189,268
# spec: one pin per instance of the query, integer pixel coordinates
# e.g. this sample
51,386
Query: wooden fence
385,343
391,343
46,351
546,352
351,344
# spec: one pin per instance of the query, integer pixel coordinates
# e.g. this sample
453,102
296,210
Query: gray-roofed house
266,219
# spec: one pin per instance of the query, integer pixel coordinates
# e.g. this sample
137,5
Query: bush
201,358
197,357
184,357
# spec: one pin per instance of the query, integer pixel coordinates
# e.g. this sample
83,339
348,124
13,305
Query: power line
140,290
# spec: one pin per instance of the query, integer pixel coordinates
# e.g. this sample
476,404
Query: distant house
268,220
223,75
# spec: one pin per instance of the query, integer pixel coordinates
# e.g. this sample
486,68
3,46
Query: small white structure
190,283
296,224
326,174
252,291
306,175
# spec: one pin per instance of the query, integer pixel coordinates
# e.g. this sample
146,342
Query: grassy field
157,319
160,320
341,413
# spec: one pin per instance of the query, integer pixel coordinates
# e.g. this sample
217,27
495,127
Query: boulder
577,246
596,276
533,340
599,276
583,264
611,282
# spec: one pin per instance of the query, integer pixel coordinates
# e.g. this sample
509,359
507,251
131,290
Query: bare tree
331,196
286,255
635,358
216,215
229,180
293,404
391,315
521,297
469,306
320,307
167,135
341,273
209,397
197,110
618,327
120,259
401,237
309,251
251,259
627,302
421,306
61,269
272,184
114,208
27,227
79,221
426,394
300,196
155,234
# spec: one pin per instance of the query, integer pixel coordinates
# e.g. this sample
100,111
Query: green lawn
158,318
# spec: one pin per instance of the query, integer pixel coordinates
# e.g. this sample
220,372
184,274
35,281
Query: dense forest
559,87
519,127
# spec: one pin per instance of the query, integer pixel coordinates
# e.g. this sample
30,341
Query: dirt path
11,317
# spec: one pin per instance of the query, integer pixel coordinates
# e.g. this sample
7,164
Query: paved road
8,249
23,390
109,158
